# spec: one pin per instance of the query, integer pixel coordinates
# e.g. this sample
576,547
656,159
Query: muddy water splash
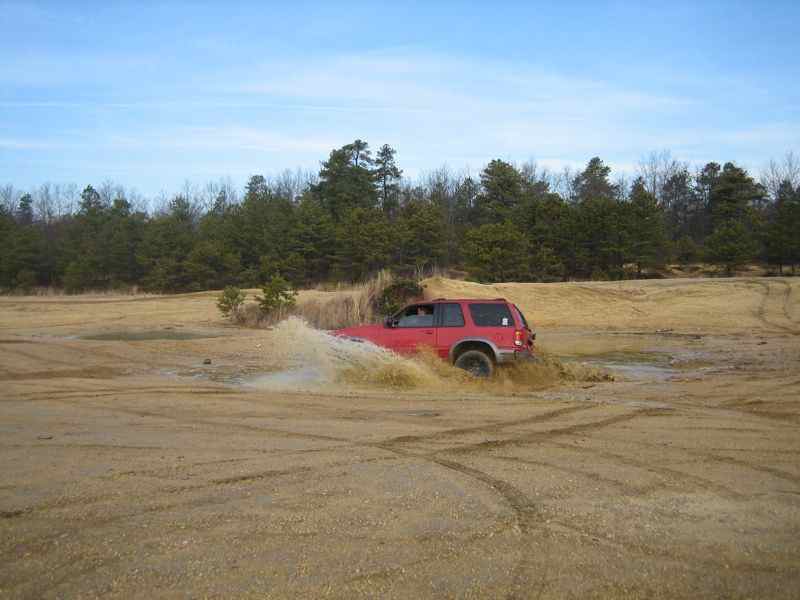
306,358
309,357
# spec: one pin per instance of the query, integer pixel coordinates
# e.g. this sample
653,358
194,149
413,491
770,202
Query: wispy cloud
222,138
17,144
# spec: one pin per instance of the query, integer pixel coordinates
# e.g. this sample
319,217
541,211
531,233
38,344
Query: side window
491,315
451,315
418,315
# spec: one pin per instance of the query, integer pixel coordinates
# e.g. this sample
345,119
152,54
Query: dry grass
345,306
324,306
57,292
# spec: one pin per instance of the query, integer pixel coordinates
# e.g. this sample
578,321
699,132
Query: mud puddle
299,377
640,366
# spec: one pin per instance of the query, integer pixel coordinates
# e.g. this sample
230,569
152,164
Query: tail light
519,336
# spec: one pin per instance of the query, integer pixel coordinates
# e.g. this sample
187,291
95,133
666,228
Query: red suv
475,335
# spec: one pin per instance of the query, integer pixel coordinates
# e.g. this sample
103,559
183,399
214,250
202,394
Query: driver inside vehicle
420,315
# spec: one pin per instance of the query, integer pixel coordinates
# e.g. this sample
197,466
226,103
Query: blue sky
153,94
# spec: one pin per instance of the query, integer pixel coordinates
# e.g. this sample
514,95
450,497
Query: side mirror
389,322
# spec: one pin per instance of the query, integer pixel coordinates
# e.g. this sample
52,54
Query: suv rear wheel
475,362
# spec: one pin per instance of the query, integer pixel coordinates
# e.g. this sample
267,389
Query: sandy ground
132,469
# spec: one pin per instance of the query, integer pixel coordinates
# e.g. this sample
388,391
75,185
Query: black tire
476,362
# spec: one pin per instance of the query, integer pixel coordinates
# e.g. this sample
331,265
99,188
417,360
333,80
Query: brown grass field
290,466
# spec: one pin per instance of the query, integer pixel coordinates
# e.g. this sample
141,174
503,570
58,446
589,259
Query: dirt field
132,469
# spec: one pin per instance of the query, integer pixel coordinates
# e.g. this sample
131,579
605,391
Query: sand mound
770,304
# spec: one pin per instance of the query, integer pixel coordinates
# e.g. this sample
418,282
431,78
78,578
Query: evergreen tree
496,252
420,237
679,195
387,174
347,181
211,266
23,247
593,182
7,233
705,181
782,234
730,245
601,232
167,242
731,199
732,194
364,242
315,237
501,192
645,235
25,211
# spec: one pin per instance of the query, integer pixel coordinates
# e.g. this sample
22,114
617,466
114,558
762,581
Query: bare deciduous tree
563,183
291,184
655,169
775,173
9,198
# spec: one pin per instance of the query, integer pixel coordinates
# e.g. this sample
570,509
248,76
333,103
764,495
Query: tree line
359,215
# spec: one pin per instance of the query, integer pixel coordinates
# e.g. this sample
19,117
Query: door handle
429,332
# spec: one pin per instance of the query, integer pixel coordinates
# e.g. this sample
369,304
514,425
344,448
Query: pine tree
730,245
782,234
501,193
593,182
364,242
645,236
387,174
420,237
347,181
496,252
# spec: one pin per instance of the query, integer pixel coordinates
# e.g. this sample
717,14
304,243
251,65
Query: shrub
278,297
230,302
396,295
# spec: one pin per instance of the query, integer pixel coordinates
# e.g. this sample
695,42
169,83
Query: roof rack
469,299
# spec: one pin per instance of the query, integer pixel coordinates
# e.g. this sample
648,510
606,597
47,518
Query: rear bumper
510,357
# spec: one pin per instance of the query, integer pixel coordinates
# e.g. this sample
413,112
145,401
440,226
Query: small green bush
278,297
396,295
230,301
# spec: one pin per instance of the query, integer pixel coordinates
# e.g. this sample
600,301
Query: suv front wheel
475,362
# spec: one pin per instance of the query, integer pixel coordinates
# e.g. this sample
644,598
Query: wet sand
131,468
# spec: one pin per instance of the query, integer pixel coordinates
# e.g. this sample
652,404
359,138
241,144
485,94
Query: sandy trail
130,468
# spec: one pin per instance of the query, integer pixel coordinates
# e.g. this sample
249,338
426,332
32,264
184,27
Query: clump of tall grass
344,306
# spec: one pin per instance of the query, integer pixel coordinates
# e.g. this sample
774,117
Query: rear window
491,315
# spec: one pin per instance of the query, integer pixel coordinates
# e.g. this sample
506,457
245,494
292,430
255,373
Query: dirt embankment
714,305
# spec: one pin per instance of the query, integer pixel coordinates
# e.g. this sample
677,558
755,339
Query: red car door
413,328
